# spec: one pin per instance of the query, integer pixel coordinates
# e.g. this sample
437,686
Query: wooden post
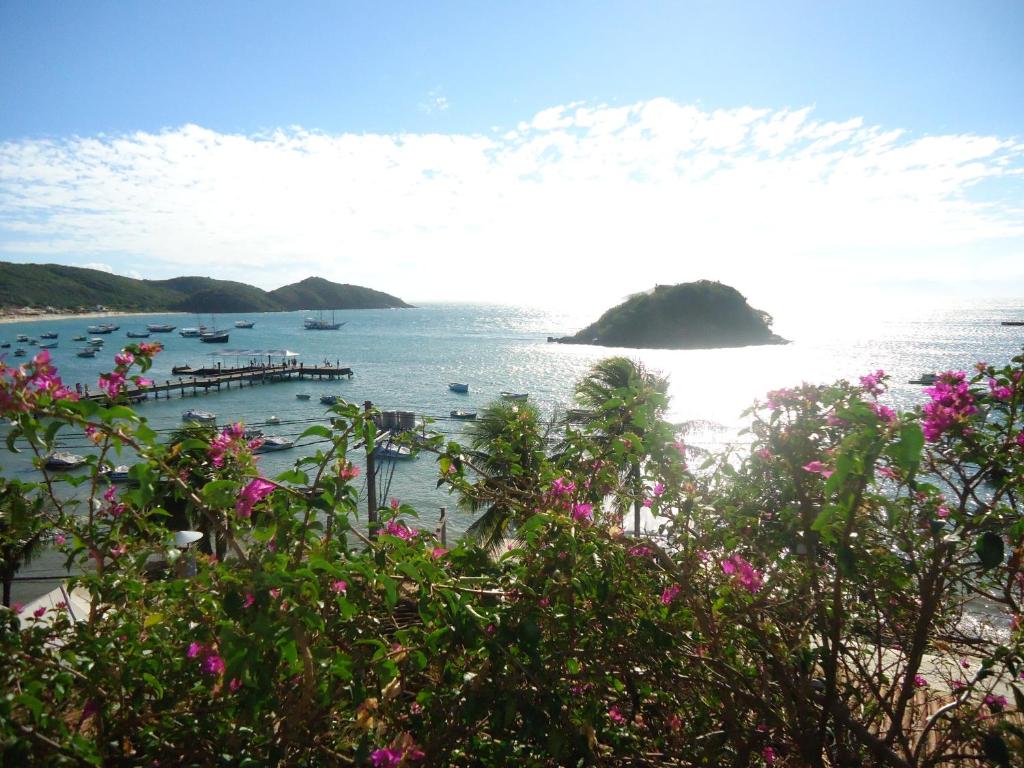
442,527
371,481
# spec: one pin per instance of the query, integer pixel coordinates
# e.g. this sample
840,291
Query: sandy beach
83,315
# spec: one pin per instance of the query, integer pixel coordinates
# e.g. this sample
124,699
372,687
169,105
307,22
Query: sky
528,152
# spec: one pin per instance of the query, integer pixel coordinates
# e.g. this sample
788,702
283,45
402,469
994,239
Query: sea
404,359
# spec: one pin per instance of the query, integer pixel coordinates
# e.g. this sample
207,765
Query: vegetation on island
71,288
699,315
805,600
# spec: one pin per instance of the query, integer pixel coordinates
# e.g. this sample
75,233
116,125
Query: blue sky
201,103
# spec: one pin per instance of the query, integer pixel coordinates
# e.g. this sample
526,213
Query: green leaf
989,549
221,493
907,451
317,431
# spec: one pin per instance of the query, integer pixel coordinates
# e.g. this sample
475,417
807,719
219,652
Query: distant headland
63,289
699,315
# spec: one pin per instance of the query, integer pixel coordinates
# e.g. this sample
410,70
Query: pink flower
124,358
348,471
995,703
60,539
920,681
884,414
544,602
213,664
769,755
942,512
763,453
615,715
951,404
562,487
395,504
670,593
257,490
339,586
640,551
648,503
818,468
888,472
873,383
743,573
438,552
38,612
1000,391
1020,439
659,488
17,607
194,649
400,531
234,685
142,381
387,758
112,383
250,598
582,512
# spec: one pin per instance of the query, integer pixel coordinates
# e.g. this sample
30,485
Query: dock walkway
205,379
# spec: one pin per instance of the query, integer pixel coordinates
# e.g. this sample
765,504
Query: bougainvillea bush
845,591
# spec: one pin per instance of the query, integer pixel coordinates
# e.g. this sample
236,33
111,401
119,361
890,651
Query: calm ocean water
404,359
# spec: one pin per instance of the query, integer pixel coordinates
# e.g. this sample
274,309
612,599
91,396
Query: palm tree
620,395
507,452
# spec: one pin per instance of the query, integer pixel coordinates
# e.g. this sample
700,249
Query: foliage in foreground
804,603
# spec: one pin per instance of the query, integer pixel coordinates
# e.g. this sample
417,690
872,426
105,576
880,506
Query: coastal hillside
699,315
72,288
317,293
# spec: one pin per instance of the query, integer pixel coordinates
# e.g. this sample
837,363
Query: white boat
49,345
319,324
244,324
275,443
456,387
160,328
89,352
273,420
189,333
178,370
102,328
19,352
118,474
63,460
201,417
95,342
302,396
330,399
49,335
214,337
78,338
464,414
393,452
514,395
22,338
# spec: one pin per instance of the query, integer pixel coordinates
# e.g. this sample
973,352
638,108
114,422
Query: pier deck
203,380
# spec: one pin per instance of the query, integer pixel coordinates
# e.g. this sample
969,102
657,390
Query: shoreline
7,319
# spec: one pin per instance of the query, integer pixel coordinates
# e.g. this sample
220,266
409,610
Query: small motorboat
180,369
200,417
463,414
214,337
514,395
456,387
160,328
87,352
102,328
302,396
21,337
393,452
137,334
5,345
49,335
275,443
253,434
49,345
244,323
78,338
95,342
926,379
189,333
330,399
33,342
1012,322
118,474
273,420
19,352
64,460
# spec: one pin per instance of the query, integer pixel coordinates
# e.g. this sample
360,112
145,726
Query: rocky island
699,315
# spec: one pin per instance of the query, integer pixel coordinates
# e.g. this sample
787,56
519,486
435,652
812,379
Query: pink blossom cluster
22,386
257,490
640,551
348,471
210,662
231,442
884,413
399,530
951,404
114,507
743,573
403,750
670,593
818,468
873,383
114,382
1000,391
582,512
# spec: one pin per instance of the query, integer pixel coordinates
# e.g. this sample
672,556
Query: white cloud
580,199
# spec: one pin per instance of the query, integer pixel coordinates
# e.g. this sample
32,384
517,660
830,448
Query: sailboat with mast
319,324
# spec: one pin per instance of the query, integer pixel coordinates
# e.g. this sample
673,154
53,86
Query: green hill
317,293
700,315
62,287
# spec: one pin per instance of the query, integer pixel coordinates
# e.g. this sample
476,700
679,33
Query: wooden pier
202,381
